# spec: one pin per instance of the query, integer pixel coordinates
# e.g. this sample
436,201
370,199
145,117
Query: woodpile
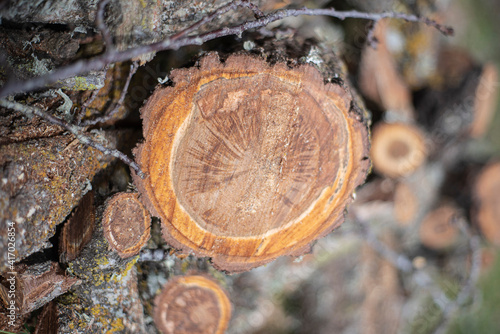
244,155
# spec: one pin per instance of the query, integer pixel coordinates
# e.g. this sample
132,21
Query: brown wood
485,101
487,202
437,230
47,322
44,179
405,204
398,149
126,224
108,295
381,309
192,305
247,162
37,285
379,79
77,231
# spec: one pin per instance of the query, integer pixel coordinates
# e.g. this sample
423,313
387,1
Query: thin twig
468,288
101,25
400,261
109,115
87,104
75,130
220,11
403,263
181,39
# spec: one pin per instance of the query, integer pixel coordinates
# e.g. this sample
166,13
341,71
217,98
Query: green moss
484,318
78,83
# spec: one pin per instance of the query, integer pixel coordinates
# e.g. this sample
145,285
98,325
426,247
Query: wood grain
247,161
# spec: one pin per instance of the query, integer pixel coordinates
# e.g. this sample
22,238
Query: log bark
43,181
68,30
108,297
35,285
248,160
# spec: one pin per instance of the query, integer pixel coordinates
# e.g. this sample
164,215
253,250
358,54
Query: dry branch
181,39
77,131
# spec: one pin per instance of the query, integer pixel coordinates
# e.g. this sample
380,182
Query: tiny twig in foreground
106,35
87,103
468,287
75,130
183,39
109,115
403,263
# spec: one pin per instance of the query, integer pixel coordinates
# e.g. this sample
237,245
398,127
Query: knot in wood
247,161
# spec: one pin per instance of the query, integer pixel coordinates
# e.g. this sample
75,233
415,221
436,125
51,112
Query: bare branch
400,261
75,130
181,39
403,263
220,11
468,288
106,35
109,115
86,105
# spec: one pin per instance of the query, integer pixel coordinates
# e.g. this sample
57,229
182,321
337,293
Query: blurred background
413,255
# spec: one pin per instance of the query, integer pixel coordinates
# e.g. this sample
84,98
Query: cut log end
126,223
487,202
248,162
437,230
379,79
398,149
485,101
192,304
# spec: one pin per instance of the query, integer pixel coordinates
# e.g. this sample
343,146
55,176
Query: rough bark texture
247,153
341,287
67,27
36,285
43,181
107,300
